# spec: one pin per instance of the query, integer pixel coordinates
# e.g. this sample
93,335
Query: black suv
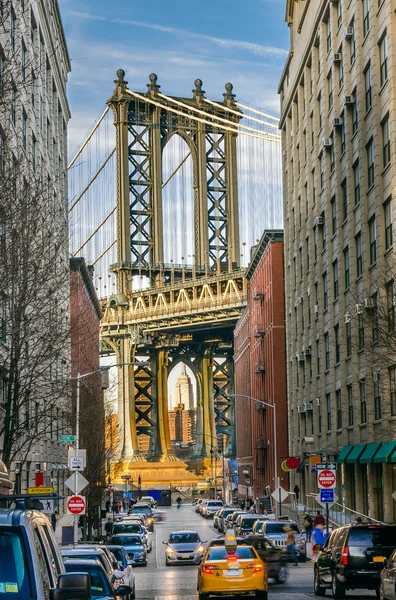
352,558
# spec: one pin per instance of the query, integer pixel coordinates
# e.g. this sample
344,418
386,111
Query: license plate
378,558
232,573
185,556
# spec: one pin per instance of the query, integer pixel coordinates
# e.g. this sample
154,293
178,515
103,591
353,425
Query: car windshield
99,585
259,525
278,528
127,528
146,510
372,536
128,540
14,571
248,521
215,503
183,538
222,553
227,512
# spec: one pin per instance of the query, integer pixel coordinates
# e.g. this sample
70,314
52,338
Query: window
322,168
312,132
324,231
33,88
373,240
377,396
367,87
327,351
392,390
23,62
13,106
353,45
3,320
317,357
342,136
359,255
12,30
366,17
320,110
360,323
386,143
374,318
335,279
332,156
354,114
346,268
325,291
339,13
297,374
363,404
350,405
388,223
34,144
341,69
319,419
337,343
348,336
1,153
307,254
333,215
330,89
344,200
356,182
328,411
390,299
24,129
339,409
383,60
370,163
316,243
328,34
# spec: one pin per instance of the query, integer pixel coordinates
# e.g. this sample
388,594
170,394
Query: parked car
134,545
274,531
101,586
259,524
352,558
125,565
26,532
145,509
149,500
275,558
224,512
216,518
94,553
244,523
388,578
230,520
127,527
184,547
198,504
210,507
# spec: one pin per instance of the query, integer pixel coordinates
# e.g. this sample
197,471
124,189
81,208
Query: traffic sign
76,505
394,495
40,490
49,506
327,479
321,466
326,496
279,494
67,438
76,482
325,504
80,452
76,463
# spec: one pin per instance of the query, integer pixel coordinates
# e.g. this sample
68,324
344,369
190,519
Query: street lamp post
276,478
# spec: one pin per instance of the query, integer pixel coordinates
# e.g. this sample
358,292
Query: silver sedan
184,547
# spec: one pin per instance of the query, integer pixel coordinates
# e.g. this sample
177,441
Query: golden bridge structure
160,312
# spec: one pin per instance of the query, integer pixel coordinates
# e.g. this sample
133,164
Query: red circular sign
76,505
293,462
326,479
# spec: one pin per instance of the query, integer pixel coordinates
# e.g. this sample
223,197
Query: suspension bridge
167,195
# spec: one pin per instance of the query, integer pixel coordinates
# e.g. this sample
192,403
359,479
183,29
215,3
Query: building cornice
79,264
269,236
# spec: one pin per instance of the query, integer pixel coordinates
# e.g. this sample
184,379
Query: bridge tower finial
198,92
229,97
153,87
121,84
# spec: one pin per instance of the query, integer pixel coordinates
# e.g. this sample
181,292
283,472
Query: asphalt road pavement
157,582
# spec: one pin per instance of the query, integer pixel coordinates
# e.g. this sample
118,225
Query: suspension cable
102,166
73,160
257,112
179,166
201,112
237,112
265,136
107,217
104,252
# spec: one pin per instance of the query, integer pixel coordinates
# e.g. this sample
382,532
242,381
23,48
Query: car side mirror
123,590
72,586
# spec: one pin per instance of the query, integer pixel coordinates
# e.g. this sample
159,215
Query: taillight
257,568
344,557
209,569
231,558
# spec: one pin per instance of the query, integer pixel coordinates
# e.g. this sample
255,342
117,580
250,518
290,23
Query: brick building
260,370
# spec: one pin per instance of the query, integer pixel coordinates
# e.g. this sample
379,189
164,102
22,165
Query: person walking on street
296,492
108,527
318,538
319,519
54,517
308,524
178,502
291,543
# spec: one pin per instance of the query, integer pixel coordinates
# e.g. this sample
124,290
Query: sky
245,43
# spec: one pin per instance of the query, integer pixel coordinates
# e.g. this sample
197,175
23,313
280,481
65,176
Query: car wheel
283,574
337,588
144,564
262,595
318,589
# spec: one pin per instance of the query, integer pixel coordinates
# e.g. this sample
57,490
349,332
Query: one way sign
76,463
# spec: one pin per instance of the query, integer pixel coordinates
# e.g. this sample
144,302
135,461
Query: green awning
356,452
343,454
384,454
368,454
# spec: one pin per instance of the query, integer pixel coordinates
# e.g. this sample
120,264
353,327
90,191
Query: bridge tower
186,313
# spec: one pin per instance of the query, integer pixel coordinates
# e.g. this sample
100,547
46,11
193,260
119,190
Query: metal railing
339,514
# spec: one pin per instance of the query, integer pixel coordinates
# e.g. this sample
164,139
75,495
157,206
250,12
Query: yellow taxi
232,570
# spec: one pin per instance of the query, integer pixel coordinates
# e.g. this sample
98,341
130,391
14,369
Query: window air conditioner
259,368
327,142
358,309
318,221
376,376
337,57
318,401
348,32
259,331
308,406
301,409
257,294
338,122
316,309
349,99
308,351
369,303
301,357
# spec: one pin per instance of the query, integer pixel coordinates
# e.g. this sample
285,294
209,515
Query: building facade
260,372
34,258
338,95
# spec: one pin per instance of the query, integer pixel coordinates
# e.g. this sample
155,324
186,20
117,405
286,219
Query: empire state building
182,418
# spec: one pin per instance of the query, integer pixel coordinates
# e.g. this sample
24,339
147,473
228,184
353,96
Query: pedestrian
308,524
178,502
319,519
54,517
296,492
243,504
108,527
318,538
291,543
358,520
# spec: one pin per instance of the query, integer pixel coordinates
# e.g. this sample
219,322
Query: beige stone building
338,122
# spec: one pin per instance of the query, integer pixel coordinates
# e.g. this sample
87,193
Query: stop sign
326,479
76,505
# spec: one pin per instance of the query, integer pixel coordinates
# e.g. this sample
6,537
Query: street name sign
40,490
67,438
76,483
76,505
327,479
76,463
326,496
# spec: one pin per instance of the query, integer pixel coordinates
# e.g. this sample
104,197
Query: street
158,581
